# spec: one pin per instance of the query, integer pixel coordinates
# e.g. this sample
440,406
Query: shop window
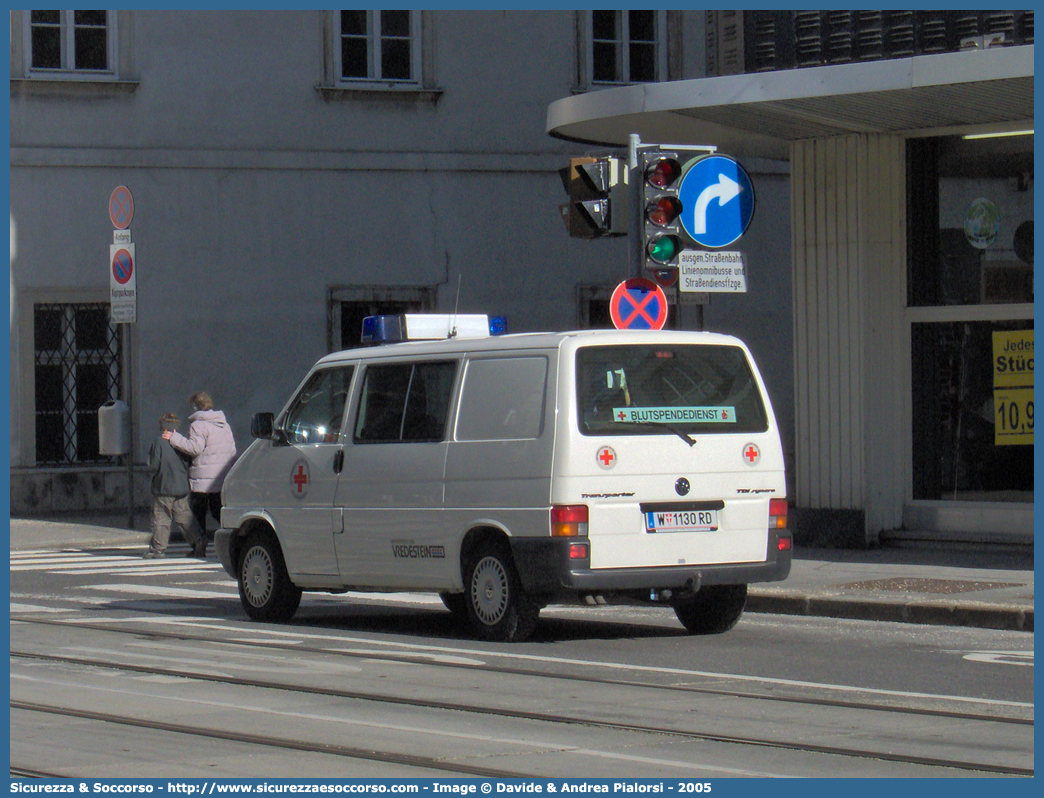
76,371
970,292
971,226
973,411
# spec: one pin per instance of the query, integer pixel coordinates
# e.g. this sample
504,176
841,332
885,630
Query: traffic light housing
662,241
598,197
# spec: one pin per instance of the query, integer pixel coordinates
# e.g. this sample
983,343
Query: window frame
361,417
592,403
624,55
68,70
474,423
374,78
326,379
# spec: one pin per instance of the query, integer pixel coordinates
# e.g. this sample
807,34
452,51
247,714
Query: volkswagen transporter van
509,472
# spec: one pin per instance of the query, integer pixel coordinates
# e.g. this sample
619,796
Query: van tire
265,589
713,610
498,608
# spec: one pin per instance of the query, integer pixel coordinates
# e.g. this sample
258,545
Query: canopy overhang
759,114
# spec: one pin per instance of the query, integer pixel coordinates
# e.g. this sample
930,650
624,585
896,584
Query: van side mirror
262,426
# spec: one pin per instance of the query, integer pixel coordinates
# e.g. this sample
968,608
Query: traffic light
598,201
661,228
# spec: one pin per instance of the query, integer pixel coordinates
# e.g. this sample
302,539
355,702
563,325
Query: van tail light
777,513
568,520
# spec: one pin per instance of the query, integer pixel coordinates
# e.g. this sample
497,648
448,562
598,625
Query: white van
509,472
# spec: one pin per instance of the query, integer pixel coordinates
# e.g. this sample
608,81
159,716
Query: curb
983,616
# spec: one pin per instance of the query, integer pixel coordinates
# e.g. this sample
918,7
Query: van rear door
674,450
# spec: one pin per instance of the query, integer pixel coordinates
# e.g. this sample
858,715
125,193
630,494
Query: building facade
910,142
291,172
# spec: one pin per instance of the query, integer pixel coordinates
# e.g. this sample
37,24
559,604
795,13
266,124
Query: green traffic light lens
663,249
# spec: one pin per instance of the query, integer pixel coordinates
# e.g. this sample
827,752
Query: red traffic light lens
663,172
663,211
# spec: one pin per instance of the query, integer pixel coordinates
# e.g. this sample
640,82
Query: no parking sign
123,284
638,304
121,207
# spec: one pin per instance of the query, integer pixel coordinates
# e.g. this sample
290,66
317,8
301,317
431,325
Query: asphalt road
122,667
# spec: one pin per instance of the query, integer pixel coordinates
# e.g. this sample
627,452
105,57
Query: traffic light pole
637,226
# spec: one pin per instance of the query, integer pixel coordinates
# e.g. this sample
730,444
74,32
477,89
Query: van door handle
338,461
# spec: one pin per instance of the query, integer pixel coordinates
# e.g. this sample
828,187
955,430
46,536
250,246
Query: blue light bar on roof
382,329
430,327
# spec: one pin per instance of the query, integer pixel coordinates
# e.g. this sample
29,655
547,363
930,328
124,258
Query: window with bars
627,46
70,41
77,370
378,46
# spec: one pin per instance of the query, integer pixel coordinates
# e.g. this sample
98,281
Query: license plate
681,521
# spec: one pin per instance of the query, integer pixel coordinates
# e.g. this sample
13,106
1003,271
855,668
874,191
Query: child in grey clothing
170,495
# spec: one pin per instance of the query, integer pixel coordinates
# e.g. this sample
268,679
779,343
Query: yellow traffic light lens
663,211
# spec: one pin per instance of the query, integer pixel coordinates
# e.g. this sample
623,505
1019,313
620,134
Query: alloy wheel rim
257,576
489,590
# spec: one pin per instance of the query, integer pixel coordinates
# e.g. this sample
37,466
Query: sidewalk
937,585
956,586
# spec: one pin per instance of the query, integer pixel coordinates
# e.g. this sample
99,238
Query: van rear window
650,390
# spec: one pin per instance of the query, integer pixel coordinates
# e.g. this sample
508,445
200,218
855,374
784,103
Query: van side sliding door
390,491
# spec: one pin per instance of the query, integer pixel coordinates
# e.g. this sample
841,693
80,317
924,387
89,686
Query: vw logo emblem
681,487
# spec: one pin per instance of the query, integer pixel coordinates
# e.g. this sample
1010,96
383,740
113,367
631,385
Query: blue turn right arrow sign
717,201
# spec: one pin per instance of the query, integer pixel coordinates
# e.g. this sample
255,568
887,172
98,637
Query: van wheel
265,589
457,603
497,607
713,610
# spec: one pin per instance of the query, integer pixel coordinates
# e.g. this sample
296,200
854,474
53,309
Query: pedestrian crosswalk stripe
157,590
138,564
24,608
86,562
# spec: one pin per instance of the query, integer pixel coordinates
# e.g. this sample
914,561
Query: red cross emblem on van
606,457
299,479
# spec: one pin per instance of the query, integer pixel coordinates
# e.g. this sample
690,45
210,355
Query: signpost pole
128,361
123,305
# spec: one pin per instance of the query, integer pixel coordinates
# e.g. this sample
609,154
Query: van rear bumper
544,567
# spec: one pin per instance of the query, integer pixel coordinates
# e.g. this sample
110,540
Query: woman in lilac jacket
213,451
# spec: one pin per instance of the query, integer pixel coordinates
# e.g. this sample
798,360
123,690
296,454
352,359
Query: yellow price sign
1013,414
1013,359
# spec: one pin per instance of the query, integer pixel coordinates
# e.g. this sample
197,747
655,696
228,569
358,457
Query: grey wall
255,194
